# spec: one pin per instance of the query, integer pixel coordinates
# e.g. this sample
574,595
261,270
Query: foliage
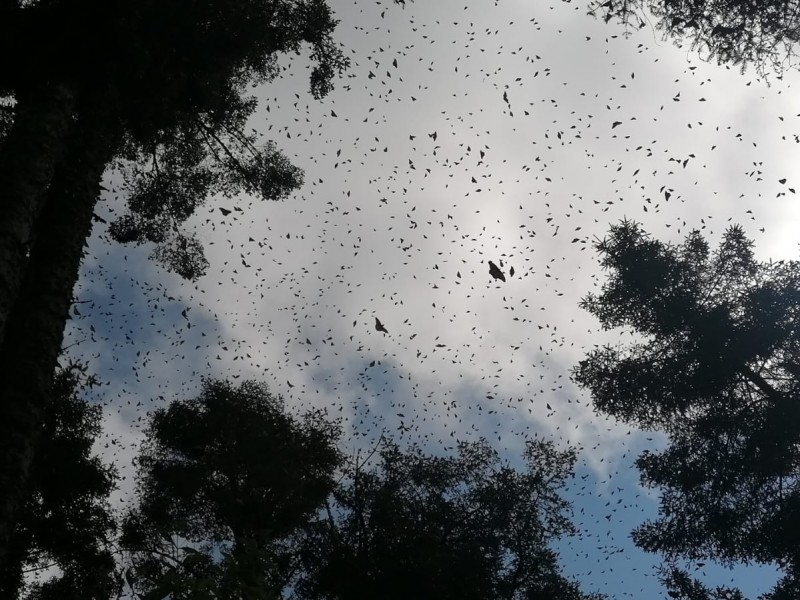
207,150
178,93
67,521
761,33
130,78
228,474
716,369
681,586
421,526
166,187
198,59
236,499
6,116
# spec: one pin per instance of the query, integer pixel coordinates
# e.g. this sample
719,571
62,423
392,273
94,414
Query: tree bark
35,327
28,158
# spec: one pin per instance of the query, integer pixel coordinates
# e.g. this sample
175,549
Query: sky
463,132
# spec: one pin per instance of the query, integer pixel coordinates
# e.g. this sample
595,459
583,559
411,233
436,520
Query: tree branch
237,164
761,383
242,140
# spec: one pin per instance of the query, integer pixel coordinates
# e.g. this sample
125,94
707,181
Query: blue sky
464,132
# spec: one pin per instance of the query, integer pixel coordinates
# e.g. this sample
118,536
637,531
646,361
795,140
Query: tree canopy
230,473
716,367
236,498
762,34
461,526
66,520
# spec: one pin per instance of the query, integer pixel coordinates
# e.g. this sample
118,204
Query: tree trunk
28,158
251,581
35,327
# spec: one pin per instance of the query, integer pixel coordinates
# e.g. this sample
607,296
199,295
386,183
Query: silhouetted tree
423,526
682,586
761,33
66,521
716,367
139,71
96,80
223,481
177,175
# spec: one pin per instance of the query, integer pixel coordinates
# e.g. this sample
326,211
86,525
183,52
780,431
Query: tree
682,586
237,499
29,352
166,182
762,34
422,526
66,520
30,149
141,83
122,90
716,367
228,474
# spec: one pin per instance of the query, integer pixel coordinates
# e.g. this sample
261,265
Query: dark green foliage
231,474
681,586
237,500
761,33
66,520
420,526
206,150
176,175
716,369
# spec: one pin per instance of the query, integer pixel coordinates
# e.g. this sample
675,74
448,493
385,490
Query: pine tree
716,367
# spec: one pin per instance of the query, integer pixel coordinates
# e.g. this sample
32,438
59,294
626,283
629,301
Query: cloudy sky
514,131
